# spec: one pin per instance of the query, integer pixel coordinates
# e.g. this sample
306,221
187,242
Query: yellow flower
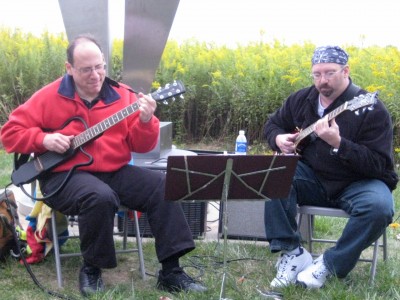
394,225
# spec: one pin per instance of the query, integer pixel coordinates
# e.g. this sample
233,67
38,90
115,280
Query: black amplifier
195,213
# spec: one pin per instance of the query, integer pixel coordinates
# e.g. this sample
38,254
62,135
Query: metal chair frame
124,233
311,211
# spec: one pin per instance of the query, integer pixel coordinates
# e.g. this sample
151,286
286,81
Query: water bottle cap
241,132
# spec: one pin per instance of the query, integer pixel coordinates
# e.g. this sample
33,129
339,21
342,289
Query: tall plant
227,88
27,63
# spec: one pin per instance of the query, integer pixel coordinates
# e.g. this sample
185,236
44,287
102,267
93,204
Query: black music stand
229,177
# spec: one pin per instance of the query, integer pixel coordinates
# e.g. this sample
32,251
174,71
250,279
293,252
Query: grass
6,165
250,268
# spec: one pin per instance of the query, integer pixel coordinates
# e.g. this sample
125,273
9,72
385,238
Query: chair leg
299,218
305,230
384,245
139,245
125,229
56,248
310,233
376,254
310,217
374,261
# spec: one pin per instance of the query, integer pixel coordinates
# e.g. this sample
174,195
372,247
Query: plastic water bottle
241,144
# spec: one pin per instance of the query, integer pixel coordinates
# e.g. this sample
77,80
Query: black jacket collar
107,93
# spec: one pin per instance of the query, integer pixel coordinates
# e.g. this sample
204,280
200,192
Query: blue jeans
369,203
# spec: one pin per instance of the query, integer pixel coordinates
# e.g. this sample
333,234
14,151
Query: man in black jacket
346,162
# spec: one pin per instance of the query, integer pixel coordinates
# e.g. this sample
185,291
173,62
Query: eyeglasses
327,75
88,70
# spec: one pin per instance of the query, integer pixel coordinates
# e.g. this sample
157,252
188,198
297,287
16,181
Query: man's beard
325,90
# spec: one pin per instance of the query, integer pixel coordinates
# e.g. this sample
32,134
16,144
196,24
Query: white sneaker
289,266
315,275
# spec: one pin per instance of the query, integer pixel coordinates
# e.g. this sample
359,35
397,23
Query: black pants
95,198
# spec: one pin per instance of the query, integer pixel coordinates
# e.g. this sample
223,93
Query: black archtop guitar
30,170
356,103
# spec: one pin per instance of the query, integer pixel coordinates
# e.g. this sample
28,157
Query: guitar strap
351,92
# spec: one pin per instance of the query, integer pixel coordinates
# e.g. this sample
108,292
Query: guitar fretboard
102,126
334,113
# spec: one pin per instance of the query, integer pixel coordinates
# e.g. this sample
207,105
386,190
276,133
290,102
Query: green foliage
227,88
378,69
232,89
116,56
26,64
6,165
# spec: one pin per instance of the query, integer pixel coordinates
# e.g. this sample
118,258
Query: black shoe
90,281
178,281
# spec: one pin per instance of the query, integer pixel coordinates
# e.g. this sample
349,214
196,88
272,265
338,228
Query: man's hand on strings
57,142
328,131
285,142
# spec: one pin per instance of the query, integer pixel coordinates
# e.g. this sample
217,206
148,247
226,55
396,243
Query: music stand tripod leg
271,178
224,199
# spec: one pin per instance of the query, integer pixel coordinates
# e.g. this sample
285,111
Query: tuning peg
165,102
357,113
181,96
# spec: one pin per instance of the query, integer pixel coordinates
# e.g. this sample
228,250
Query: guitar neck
94,131
170,90
307,131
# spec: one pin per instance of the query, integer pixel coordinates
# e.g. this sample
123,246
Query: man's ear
68,68
346,70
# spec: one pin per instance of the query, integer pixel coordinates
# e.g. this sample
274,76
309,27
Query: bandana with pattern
329,54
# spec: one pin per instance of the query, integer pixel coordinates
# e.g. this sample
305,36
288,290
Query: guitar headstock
368,99
170,90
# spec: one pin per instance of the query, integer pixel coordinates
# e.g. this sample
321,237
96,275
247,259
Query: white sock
295,251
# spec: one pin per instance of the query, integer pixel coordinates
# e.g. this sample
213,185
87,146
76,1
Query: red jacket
52,106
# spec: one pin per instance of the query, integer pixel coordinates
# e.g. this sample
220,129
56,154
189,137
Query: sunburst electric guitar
34,168
363,101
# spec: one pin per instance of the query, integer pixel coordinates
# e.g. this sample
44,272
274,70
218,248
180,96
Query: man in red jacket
59,112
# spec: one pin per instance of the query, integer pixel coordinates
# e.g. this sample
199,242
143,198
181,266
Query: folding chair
311,211
124,233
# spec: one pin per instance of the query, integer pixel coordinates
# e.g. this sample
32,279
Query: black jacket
366,147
